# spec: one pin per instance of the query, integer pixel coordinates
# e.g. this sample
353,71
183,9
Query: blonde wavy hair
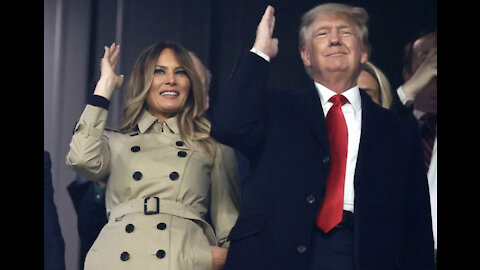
194,128
385,89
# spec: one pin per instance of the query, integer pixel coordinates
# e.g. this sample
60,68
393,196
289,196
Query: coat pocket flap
247,226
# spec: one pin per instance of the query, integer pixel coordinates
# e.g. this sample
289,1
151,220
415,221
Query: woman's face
368,83
170,86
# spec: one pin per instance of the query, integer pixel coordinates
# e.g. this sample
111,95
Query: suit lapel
311,112
374,125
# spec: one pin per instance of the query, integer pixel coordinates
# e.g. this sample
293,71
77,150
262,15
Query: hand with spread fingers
109,80
264,41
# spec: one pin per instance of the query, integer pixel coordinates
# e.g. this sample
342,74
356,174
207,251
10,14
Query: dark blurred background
75,32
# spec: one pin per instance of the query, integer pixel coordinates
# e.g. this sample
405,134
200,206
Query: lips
170,93
336,54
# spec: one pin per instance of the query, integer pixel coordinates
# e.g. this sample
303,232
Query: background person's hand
422,76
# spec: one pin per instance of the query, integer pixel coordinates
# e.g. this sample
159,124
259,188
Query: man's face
333,47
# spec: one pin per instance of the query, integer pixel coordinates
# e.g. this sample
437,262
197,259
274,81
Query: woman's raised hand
109,80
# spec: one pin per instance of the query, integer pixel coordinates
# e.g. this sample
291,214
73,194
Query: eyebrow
159,66
327,27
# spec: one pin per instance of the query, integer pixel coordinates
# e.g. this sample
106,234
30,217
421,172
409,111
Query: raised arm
89,154
241,112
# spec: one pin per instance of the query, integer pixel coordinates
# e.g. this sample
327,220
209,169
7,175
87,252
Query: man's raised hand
264,41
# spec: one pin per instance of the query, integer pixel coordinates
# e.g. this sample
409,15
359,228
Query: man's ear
364,57
305,54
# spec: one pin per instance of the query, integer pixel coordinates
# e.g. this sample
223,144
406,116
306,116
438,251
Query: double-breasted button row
173,175
137,176
125,256
130,227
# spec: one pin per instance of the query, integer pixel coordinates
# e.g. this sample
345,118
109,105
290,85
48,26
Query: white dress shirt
352,112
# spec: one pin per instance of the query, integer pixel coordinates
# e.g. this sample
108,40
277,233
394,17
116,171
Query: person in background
376,84
162,168
88,198
417,101
337,181
53,243
205,77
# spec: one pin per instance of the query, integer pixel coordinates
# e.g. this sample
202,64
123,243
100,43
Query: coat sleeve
240,114
89,153
225,193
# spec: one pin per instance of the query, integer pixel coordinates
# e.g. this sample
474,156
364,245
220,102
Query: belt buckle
145,211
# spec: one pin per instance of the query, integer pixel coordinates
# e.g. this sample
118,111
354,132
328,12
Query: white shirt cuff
261,54
402,97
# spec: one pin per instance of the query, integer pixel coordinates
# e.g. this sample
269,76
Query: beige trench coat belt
155,205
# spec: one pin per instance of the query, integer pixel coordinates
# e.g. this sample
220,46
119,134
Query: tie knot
338,99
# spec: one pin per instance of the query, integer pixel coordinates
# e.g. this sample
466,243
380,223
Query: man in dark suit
53,244
337,181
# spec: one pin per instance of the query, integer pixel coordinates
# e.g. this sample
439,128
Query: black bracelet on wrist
99,101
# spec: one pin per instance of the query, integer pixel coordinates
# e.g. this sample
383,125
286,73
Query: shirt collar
352,94
147,120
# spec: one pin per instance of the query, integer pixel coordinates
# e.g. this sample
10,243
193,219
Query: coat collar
149,123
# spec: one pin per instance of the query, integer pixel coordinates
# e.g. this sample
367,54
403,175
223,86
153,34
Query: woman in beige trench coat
162,169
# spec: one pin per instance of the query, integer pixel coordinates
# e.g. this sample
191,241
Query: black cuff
99,101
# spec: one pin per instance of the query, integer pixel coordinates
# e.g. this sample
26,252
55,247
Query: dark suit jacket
284,136
53,244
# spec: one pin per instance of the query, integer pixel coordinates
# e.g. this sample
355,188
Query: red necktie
330,213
